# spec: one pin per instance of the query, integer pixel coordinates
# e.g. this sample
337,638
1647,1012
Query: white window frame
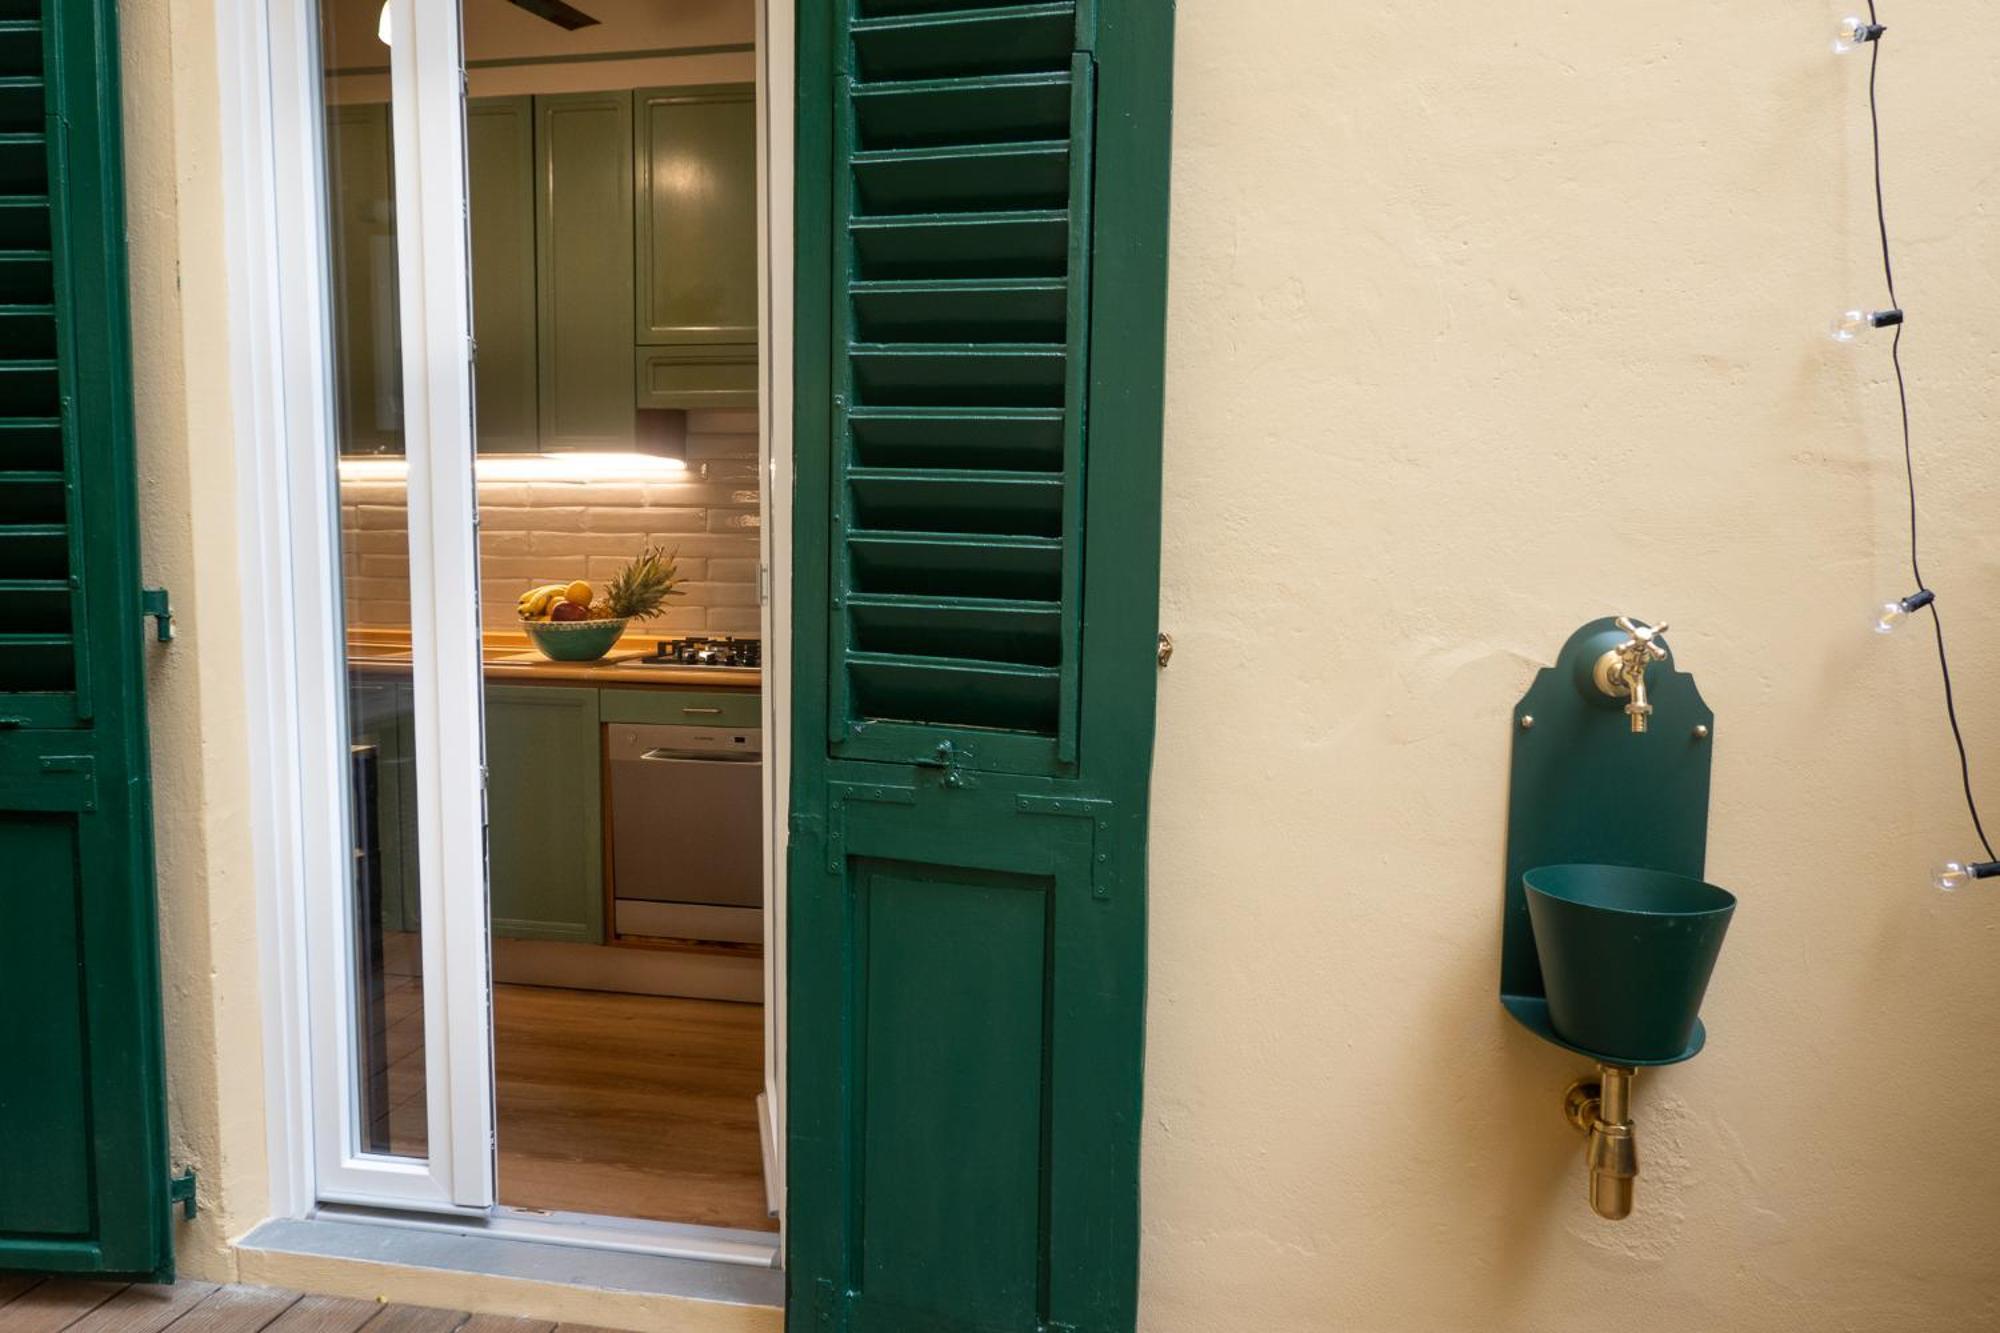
293,683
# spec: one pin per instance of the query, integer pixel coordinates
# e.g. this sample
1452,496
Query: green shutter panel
84,1171
981,260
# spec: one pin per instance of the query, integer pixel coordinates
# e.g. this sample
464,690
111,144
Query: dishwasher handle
663,755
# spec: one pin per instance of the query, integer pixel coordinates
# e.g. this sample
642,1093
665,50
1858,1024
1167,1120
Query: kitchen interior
612,171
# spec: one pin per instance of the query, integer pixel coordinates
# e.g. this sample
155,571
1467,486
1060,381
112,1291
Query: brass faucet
1603,1110
1621,671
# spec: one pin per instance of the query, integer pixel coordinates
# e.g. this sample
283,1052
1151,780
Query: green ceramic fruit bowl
574,640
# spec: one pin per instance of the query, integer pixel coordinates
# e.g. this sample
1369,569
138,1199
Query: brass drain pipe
1603,1110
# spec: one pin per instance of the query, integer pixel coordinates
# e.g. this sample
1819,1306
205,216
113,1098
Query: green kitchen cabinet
695,164
368,347
696,183
544,813
583,270
500,159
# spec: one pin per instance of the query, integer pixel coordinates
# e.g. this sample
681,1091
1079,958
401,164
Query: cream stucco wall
1484,324
1481,326
191,543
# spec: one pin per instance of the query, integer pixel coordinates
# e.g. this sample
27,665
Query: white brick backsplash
543,532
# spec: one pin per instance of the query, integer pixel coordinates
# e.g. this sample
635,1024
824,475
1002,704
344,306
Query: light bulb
1856,33
1952,876
382,25
1850,324
1890,616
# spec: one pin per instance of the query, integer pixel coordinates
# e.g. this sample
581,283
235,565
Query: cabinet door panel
500,148
697,193
368,344
583,271
544,813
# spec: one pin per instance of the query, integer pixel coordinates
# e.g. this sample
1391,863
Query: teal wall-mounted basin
1626,955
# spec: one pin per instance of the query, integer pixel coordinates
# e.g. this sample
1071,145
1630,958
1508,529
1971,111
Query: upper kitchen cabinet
500,152
696,183
583,270
367,339
697,189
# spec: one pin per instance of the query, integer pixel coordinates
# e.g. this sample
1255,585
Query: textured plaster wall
189,530
1483,325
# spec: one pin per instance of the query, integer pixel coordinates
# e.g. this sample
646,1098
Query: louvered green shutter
83,1151
981,266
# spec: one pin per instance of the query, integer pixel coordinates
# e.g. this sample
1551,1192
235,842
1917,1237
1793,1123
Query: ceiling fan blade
558,13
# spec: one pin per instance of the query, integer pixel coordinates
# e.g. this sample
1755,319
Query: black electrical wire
1909,456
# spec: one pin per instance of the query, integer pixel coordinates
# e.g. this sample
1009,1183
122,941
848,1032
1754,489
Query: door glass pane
389,1109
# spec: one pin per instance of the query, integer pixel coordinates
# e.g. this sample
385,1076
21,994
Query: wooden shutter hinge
180,1190
1097,813
156,603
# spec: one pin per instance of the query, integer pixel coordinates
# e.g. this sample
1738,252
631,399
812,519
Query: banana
536,602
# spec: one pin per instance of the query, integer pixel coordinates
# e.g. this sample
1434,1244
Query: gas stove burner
702,652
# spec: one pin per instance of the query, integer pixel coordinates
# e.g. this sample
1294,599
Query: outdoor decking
63,1305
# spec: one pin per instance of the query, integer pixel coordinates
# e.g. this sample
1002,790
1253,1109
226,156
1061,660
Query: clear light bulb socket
1850,324
1855,33
1955,875
1890,616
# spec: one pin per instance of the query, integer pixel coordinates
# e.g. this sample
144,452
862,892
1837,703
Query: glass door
402,1058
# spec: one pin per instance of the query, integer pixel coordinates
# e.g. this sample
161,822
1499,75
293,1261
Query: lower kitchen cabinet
544,812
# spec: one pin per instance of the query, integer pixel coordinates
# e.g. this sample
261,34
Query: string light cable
1854,34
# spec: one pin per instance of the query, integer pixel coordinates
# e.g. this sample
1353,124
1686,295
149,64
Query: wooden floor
33,1305
621,1105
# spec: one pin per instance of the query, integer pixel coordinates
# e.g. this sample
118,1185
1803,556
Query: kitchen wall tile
542,532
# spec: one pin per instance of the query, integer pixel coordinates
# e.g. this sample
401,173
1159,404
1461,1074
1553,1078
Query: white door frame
291,526
294,686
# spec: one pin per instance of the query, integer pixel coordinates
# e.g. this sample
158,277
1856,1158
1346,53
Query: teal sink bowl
1626,956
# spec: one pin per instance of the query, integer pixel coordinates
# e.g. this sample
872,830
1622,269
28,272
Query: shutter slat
1030,243
1018,310
1008,438
997,108
921,375
1004,40
1001,696
962,177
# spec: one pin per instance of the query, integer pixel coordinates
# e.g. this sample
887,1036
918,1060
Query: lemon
578,592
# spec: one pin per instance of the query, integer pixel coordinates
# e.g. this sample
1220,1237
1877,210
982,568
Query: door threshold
378,1237
616,1235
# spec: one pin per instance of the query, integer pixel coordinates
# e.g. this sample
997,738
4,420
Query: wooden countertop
511,659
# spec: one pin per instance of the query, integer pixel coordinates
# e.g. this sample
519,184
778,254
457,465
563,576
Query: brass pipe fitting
1603,1111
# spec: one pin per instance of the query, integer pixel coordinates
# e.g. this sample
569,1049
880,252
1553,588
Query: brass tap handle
1621,672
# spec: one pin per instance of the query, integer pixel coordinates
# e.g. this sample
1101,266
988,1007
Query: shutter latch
155,603
948,758
180,1190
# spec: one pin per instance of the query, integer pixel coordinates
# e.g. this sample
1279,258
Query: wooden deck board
144,1309
411,1319
13,1284
236,1310
31,1304
54,1305
324,1314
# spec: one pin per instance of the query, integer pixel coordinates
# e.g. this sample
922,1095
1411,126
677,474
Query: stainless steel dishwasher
687,850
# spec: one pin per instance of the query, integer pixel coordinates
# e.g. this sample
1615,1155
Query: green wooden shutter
83,1144
981,260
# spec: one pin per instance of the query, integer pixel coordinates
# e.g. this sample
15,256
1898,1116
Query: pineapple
641,588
